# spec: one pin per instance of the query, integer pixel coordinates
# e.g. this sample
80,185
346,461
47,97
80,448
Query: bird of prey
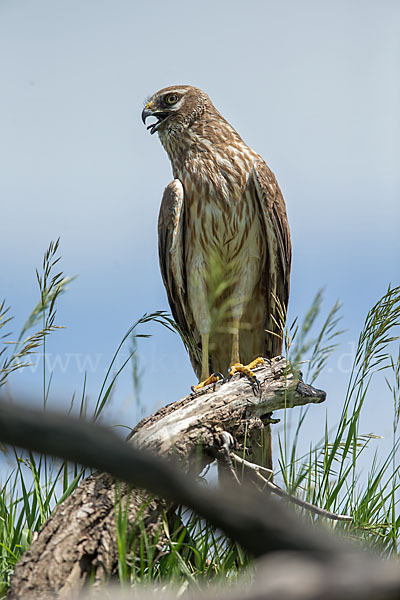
224,239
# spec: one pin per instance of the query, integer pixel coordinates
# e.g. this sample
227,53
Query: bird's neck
199,142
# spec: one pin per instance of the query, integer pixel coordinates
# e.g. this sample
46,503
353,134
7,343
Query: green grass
329,474
194,554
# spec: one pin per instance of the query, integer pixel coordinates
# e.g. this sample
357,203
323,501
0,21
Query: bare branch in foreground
275,489
78,538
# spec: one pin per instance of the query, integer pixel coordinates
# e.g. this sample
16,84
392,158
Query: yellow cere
148,105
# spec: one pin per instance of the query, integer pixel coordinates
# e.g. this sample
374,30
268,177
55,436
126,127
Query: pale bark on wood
177,429
78,542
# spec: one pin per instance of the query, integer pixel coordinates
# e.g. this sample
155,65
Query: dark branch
256,522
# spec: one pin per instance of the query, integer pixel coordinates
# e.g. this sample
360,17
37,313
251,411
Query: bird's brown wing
171,255
279,253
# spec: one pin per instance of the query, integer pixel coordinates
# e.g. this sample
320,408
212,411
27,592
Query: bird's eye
172,98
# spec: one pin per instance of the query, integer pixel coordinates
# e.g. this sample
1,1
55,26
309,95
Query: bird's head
175,108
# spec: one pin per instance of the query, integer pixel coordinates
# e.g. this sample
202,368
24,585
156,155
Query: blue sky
312,86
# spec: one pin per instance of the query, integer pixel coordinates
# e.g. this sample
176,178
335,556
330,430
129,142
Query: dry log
79,539
233,406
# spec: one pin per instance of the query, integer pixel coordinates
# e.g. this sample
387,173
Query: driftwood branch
80,535
225,406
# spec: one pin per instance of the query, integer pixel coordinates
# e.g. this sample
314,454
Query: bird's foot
212,379
247,370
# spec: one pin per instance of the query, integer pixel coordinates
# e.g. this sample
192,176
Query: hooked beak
160,116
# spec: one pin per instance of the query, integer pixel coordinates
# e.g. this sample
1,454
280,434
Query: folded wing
171,244
279,252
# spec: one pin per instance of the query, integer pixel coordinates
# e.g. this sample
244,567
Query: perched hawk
224,240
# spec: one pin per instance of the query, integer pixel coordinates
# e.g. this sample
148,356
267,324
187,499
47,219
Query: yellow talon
257,361
234,368
246,369
212,379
